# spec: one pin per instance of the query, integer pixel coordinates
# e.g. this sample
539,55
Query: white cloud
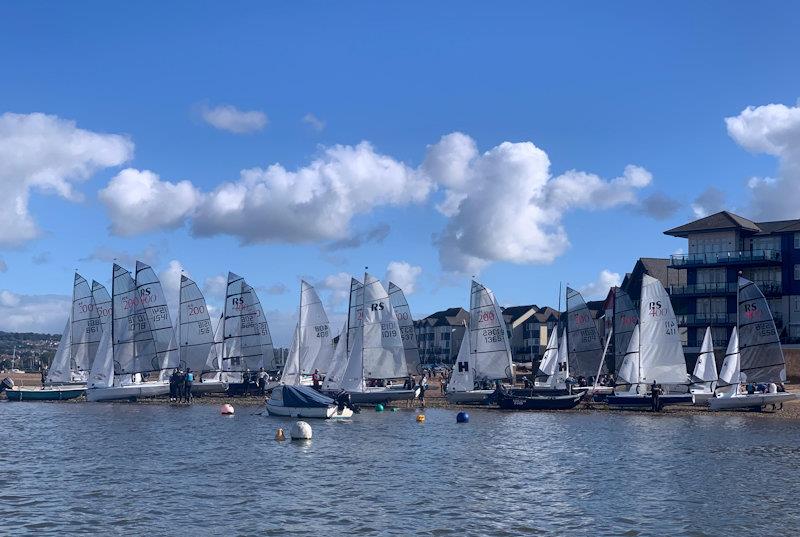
314,122
338,288
599,288
106,254
215,286
139,202
773,129
710,201
658,205
170,278
313,203
404,275
48,154
229,118
504,205
33,313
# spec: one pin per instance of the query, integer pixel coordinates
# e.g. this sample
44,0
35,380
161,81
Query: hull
132,391
701,398
754,401
472,397
382,395
538,402
645,401
308,412
45,394
209,386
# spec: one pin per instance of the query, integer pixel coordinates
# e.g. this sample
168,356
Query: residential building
439,335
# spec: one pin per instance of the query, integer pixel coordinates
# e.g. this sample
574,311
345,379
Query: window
446,336
797,272
766,243
797,240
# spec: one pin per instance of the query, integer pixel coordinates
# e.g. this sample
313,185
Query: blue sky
591,88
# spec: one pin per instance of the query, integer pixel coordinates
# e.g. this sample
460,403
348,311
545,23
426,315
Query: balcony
753,257
724,288
706,319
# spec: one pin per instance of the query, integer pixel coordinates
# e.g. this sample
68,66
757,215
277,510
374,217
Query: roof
727,220
518,314
656,267
448,317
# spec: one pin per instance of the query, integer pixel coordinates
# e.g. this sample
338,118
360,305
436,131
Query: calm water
134,469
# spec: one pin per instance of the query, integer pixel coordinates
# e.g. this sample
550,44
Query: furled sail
407,333
583,340
759,345
383,350
488,337
194,327
462,378
705,369
159,351
661,351
628,372
60,370
731,366
86,327
626,317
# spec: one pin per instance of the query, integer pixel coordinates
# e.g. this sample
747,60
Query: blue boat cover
305,396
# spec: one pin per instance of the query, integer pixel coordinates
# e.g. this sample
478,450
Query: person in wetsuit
187,386
655,395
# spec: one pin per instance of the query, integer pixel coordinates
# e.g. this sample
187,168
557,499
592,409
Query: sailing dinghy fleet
123,345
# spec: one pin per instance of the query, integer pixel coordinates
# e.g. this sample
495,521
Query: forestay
585,348
759,345
626,317
160,350
705,369
195,335
406,322
661,351
383,351
491,354
86,327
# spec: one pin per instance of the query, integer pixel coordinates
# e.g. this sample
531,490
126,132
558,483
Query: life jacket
189,377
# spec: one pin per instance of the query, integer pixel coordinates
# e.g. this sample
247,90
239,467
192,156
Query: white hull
756,400
591,390
701,398
132,391
471,397
209,386
382,395
306,412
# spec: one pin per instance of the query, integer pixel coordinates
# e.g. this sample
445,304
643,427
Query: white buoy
301,431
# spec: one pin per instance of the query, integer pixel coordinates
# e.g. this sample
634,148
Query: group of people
180,385
257,379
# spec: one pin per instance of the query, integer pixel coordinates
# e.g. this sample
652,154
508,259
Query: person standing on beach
246,381
181,385
423,385
173,385
188,385
315,379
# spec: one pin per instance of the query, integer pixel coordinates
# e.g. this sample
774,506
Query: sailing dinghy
488,351
754,356
312,346
654,354
305,402
704,376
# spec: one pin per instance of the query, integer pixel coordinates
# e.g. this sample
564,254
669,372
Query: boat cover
305,397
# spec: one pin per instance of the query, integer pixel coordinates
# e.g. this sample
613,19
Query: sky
526,144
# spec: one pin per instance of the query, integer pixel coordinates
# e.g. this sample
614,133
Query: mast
361,324
113,339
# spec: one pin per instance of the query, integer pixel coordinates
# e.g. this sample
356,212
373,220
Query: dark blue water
134,469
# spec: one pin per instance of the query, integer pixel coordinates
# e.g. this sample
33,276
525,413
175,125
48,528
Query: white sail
731,366
60,370
194,327
355,311
86,327
549,364
760,347
336,370
383,351
102,373
488,336
213,367
462,378
583,340
128,320
629,369
661,351
241,341
406,322
563,369
102,301
160,350
291,369
705,369
626,317
316,345
267,357
353,378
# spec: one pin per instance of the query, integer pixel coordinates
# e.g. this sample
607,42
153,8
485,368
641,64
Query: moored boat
704,376
518,400
305,402
46,393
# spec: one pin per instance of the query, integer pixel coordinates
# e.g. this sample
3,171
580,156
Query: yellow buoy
421,418
279,434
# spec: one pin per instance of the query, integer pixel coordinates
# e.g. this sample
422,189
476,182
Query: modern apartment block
720,247
439,335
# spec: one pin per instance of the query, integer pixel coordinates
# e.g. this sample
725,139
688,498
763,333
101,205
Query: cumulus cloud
504,204
658,205
313,203
170,278
314,122
773,129
138,201
376,234
47,154
338,288
33,313
710,201
404,275
227,117
599,288
215,287
106,254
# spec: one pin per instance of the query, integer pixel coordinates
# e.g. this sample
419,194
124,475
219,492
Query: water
134,469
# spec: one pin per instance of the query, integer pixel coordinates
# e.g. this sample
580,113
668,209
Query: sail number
191,309
322,330
493,335
141,297
670,328
486,316
402,315
388,329
407,333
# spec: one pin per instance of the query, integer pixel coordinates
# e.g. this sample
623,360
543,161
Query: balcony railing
706,319
721,288
728,258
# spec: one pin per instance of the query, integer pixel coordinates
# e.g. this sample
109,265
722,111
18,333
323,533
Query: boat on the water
47,393
486,356
704,377
305,402
654,356
754,364
520,400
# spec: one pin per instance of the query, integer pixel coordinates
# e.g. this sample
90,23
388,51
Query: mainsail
213,366
159,351
407,334
195,335
60,370
383,350
102,373
626,317
661,351
553,366
246,339
705,369
583,340
312,347
759,345
267,360
86,327
102,301
355,312
491,355
129,320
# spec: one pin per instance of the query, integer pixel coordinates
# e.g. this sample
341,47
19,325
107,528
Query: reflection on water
130,469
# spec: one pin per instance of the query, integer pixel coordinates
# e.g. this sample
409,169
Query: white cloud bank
599,288
773,129
227,117
404,275
47,154
33,313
